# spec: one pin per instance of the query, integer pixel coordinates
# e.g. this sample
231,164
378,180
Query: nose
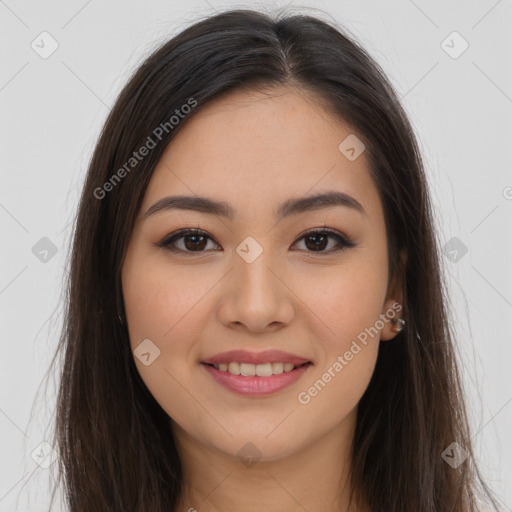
255,296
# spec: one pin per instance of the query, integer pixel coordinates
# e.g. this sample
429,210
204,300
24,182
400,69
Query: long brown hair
116,450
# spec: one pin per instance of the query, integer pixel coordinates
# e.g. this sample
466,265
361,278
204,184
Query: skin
255,151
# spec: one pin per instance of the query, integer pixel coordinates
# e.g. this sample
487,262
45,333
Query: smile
256,379
251,370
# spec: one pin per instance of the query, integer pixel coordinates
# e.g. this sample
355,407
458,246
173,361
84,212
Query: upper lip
267,356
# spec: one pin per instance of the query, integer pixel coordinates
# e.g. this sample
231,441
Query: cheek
346,299
167,309
163,303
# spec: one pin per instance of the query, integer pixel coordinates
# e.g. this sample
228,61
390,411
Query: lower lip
256,386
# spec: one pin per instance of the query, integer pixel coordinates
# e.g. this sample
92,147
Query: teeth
247,370
251,370
233,368
277,368
263,370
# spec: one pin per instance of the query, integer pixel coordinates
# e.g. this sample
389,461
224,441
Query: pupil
324,237
194,245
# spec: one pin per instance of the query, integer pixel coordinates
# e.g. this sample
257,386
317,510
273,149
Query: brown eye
318,240
194,240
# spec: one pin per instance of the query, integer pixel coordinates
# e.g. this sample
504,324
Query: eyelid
344,242
180,233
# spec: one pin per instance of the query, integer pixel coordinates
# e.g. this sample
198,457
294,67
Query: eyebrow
290,207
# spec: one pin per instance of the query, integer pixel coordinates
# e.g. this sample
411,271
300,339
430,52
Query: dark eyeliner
343,241
168,240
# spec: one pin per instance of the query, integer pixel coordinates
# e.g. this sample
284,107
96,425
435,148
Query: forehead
257,149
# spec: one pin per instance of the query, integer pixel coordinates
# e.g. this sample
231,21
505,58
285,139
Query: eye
317,240
196,240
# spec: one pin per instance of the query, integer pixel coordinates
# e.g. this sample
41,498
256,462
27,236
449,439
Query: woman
303,360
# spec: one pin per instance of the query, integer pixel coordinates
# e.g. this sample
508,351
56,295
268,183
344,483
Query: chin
253,449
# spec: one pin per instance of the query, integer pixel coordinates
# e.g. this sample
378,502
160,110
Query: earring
396,321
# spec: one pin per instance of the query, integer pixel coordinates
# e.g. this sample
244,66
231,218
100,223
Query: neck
315,478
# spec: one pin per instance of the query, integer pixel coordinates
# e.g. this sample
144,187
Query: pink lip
244,356
256,386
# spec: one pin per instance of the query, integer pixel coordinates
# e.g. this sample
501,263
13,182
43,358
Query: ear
393,305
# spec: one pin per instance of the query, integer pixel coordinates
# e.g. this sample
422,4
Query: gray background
53,109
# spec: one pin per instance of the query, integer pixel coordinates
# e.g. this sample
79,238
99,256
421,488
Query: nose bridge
256,296
254,278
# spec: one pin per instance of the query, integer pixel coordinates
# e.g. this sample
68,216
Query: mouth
256,379
256,370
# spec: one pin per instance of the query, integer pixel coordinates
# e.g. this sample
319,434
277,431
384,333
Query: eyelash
343,242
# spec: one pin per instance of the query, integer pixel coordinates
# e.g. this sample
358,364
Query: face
309,279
